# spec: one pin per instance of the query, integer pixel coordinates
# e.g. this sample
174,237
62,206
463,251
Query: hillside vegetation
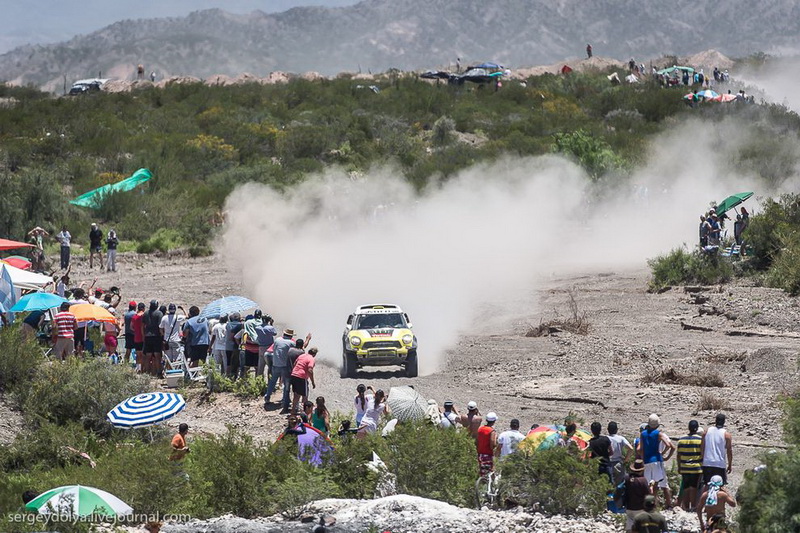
200,142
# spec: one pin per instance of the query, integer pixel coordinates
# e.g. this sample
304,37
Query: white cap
653,421
472,405
491,417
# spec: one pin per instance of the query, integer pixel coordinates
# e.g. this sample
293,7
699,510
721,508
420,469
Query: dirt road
742,337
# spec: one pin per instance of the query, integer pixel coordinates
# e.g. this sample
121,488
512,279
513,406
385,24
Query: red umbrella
6,244
19,262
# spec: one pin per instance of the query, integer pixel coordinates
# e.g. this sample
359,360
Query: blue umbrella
488,65
146,409
228,305
37,301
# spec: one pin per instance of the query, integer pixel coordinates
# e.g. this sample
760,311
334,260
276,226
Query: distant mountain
408,34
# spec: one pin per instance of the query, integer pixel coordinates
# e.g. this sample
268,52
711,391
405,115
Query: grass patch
574,322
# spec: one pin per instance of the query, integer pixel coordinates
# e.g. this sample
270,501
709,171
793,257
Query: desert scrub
681,266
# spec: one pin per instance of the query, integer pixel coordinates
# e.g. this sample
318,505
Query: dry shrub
575,322
670,376
709,402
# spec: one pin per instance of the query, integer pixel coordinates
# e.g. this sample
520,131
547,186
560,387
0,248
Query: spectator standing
36,237
689,466
376,408
302,371
649,520
449,416
486,445
111,245
153,342
127,324
636,488
280,369
179,447
265,336
650,444
232,328
717,451
219,334
704,227
508,441
600,447
64,238
195,331
95,247
714,231
472,420
64,332
621,451
360,402
588,51
171,327
249,356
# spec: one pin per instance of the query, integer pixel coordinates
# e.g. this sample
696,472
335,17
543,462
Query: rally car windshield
378,321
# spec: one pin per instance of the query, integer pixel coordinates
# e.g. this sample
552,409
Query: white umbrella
406,403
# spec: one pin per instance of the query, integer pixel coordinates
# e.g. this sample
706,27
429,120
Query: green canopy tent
670,70
94,198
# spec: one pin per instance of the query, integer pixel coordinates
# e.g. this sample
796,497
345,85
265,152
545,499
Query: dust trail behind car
310,255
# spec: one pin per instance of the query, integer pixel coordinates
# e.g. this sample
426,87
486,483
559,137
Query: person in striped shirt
689,467
64,332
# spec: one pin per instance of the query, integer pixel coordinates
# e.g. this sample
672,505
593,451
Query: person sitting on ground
472,419
179,447
636,488
649,520
308,409
508,441
486,445
713,501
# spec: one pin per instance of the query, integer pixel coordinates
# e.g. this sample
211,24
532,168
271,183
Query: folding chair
194,374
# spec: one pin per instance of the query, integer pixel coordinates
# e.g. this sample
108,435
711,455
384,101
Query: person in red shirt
303,370
487,445
64,328
137,325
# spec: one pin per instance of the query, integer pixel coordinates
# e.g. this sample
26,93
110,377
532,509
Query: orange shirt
178,442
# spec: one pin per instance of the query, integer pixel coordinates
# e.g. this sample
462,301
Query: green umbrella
76,500
732,201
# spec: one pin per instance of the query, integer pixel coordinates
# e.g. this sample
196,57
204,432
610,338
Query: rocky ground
638,357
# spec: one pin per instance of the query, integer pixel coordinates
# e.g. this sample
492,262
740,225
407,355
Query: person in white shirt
621,450
508,440
717,451
219,335
64,239
449,416
171,327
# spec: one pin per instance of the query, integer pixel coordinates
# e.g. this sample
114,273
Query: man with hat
449,416
636,488
651,444
280,369
649,520
472,420
487,444
95,245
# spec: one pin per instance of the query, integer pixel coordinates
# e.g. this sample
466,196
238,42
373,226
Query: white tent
24,280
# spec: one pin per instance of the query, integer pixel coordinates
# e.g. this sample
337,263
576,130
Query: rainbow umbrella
545,437
16,261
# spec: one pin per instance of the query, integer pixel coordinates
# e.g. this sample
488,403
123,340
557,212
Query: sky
49,21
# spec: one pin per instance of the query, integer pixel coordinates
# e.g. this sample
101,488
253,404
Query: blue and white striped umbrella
228,305
146,410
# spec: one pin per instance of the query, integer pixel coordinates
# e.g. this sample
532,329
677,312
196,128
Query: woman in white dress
376,408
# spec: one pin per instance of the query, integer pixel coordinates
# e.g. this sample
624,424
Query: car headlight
407,339
355,341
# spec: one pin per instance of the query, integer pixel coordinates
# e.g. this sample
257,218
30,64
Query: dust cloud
484,239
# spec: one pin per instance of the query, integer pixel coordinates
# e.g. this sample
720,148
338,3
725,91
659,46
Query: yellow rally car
378,335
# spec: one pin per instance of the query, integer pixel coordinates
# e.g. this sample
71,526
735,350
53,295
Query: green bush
163,241
556,481
80,391
19,359
681,266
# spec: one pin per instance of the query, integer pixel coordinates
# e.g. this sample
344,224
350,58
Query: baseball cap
132,303
448,403
472,406
649,501
491,417
172,308
653,421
